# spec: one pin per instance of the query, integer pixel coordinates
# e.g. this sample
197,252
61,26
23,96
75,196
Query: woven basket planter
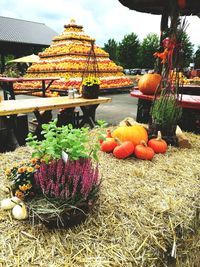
90,92
69,217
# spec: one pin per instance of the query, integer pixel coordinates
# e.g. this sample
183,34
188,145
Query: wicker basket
90,92
67,218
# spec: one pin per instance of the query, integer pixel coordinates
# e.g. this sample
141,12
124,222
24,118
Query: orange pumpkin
133,133
143,151
124,150
149,83
158,144
108,145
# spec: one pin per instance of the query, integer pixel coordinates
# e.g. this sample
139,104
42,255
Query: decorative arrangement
60,184
132,140
67,58
90,83
165,111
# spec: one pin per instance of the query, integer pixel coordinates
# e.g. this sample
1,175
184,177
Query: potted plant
90,87
165,110
66,183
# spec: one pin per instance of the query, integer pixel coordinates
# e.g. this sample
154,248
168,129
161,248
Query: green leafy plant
75,142
165,111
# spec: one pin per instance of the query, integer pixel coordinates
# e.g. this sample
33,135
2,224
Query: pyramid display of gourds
67,58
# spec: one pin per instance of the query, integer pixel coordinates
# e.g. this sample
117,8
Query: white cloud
101,19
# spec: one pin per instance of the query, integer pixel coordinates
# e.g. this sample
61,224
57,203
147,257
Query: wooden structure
8,90
42,108
158,7
190,103
22,37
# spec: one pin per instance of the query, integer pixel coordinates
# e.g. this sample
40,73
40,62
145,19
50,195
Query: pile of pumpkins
131,140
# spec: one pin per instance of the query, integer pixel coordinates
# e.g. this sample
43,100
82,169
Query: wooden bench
190,120
42,108
7,84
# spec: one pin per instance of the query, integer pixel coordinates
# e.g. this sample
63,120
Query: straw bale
147,215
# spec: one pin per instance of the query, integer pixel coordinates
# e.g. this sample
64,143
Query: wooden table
8,82
186,101
191,110
42,108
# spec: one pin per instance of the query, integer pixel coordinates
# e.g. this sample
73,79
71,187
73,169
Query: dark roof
158,6
23,31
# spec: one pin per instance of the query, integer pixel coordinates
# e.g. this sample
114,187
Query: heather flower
69,182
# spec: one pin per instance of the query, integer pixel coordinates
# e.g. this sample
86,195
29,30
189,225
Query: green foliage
165,110
129,51
75,142
187,48
111,47
197,58
148,47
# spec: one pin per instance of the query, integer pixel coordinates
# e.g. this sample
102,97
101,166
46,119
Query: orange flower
21,170
37,166
162,56
25,187
33,160
19,194
30,169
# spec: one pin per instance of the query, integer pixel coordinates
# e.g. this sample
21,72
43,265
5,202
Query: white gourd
20,212
9,203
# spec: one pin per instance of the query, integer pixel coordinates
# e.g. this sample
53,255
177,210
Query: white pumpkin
9,203
20,212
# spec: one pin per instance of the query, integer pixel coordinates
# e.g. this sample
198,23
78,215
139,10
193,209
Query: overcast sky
102,19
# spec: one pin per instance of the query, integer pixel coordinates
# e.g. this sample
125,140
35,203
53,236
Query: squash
108,145
158,144
105,136
143,151
124,150
133,133
149,83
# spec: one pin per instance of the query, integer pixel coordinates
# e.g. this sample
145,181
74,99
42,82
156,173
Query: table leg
8,91
8,140
67,116
44,87
88,117
143,111
42,117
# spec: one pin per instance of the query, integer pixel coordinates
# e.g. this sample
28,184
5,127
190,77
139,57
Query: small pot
168,132
90,92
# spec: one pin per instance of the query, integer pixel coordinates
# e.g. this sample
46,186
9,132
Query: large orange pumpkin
133,133
149,82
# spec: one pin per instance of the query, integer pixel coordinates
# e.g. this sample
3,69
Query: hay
147,215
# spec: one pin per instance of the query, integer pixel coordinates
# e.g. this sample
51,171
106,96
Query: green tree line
132,53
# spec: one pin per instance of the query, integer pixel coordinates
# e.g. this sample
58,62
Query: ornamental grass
147,215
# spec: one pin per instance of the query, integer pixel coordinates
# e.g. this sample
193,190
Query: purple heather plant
70,182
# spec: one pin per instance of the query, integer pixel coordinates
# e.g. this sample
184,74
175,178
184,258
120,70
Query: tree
187,48
197,58
148,47
128,51
111,47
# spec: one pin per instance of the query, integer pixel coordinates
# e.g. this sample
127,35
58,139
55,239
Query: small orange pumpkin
149,83
107,136
133,133
158,144
143,151
108,145
124,150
